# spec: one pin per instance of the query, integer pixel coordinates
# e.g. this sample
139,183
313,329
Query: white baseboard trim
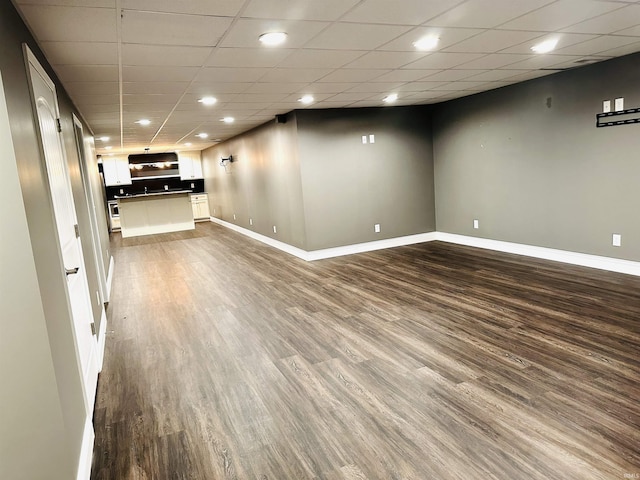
574,258
110,278
86,451
102,339
582,259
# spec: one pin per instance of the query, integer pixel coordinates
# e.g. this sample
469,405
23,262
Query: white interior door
66,221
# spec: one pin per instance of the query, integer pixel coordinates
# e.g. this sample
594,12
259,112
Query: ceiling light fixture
188,144
208,100
104,139
307,99
228,119
392,97
271,39
427,43
144,122
202,135
546,46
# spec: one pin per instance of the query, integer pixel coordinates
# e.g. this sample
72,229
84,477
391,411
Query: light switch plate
364,139
606,106
619,104
376,228
372,139
476,224
617,239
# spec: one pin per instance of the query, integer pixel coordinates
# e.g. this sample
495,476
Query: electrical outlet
193,185
606,106
251,221
476,224
166,187
122,191
619,104
617,240
364,139
372,139
234,216
275,230
376,228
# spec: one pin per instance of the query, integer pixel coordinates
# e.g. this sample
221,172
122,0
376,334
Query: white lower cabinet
200,206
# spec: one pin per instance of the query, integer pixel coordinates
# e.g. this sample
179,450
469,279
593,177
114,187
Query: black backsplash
155,185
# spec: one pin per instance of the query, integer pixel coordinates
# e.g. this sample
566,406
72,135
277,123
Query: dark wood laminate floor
227,359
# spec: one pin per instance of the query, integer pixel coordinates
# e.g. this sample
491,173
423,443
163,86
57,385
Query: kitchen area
154,192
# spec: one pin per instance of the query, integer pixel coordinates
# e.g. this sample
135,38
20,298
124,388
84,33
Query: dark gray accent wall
528,162
348,186
262,184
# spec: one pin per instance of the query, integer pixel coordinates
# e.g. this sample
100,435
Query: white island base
155,213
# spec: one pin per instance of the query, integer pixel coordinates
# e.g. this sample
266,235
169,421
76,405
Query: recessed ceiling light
104,139
108,147
271,39
546,46
307,99
188,144
208,100
228,120
144,122
427,43
392,97
202,135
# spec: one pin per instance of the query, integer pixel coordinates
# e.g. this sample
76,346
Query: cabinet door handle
71,271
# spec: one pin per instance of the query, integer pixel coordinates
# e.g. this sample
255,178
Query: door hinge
76,228
93,328
59,125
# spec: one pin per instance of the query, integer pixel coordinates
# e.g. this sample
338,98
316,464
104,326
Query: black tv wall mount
613,119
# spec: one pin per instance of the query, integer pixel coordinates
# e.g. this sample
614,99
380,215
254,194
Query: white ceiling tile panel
564,40
404,75
493,75
72,24
158,74
536,62
385,59
94,88
87,73
351,36
441,61
354,75
561,14
164,55
96,99
626,17
634,31
81,53
150,99
493,41
486,13
451,75
265,87
495,60
246,31
626,50
248,57
154,87
294,75
310,58
328,10
447,36
69,3
351,96
172,29
226,8
597,45
420,86
375,87
328,87
217,88
408,12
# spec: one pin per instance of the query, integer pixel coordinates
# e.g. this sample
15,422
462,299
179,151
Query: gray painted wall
349,186
543,174
47,405
262,184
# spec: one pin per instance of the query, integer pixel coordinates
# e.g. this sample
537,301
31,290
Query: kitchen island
157,212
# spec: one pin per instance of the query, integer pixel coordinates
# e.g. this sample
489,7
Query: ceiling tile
493,41
294,75
245,32
564,40
158,74
328,10
447,36
404,75
93,88
81,53
493,75
622,18
385,59
87,73
172,29
311,58
486,13
376,87
409,12
150,99
217,88
634,31
225,74
561,14
420,86
441,61
169,55
69,3
351,96
154,87
255,57
223,8
335,87
495,60
535,62
626,50
350,36
265,87
354,75
451,75
96,99
597,45
71,24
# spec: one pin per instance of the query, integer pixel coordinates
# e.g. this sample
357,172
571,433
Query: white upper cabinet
116,171
190,164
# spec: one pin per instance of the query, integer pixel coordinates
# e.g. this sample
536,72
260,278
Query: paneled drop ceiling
125,60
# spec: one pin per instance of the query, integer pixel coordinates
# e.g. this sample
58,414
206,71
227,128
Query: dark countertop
151,194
